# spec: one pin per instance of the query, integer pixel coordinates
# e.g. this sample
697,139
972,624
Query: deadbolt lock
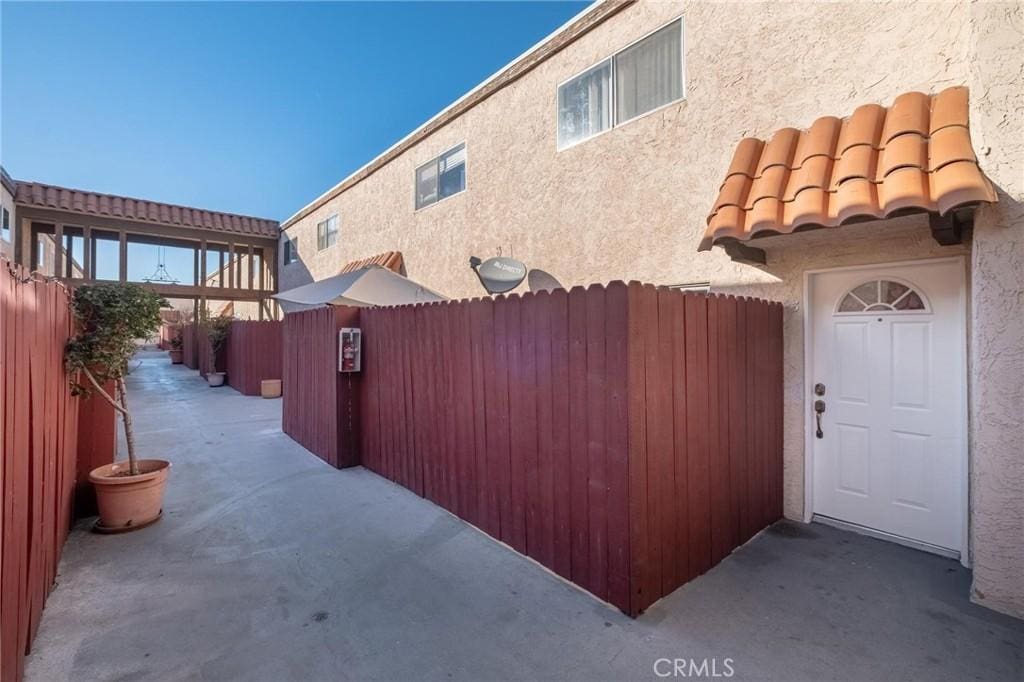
819,389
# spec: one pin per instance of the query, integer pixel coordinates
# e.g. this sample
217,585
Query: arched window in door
882,296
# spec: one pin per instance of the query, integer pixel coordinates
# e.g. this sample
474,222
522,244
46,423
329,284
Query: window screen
649,74
584,105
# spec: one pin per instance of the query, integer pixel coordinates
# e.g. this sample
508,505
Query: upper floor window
5,231
290,249
327,233
640,78
441,177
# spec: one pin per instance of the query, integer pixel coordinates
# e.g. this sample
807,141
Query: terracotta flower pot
270,388
176,357
129,502
215,378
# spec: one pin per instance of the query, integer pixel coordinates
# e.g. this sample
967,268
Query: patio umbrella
369,286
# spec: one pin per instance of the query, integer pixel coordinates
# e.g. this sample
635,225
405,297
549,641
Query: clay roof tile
141,210
915,156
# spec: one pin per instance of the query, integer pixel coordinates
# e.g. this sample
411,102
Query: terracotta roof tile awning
916,156
392,260
141,210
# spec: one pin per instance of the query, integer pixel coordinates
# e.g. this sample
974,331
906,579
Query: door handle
819,409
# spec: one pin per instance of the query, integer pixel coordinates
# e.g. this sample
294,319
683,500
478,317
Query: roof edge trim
589,18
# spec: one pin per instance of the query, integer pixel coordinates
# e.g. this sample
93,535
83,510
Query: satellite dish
498,274
538,280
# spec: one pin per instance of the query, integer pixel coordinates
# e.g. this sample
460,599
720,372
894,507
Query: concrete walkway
270,565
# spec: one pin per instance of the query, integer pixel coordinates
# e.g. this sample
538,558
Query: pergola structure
62,233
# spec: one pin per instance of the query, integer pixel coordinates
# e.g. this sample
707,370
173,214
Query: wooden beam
58,251
948,230
202,263
220,270
25,250
231,265
87,272
252,264
741,253
263,269
122,258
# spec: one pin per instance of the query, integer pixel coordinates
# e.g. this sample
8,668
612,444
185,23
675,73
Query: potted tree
176,342
217,330
110,318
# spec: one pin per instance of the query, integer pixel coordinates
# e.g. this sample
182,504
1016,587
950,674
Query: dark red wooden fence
319,403
195,347
252,354
628,438
191,351
37,454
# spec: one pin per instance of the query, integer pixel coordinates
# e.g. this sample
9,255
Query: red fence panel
37,454
626,437
252,354
319,411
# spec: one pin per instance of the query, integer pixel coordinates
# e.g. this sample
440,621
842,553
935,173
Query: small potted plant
217,330
176,343
110,318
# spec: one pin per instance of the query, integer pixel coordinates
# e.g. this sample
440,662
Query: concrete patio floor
271,565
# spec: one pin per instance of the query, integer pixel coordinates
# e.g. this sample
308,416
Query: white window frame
6,226
437,157
611,84
337,231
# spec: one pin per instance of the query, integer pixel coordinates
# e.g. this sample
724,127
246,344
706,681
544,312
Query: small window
290,249
441,177
5,231
585,105
640,78
881,296
327,233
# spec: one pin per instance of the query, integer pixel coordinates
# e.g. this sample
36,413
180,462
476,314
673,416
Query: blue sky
252,108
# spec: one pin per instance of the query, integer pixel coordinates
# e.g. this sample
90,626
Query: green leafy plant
176,338
110,318
218,328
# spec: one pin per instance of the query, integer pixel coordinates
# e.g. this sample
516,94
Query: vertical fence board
597,444
677,319
641,576
562,465
697,451
477,322
517,437
578,435
541,536
527,439
662,433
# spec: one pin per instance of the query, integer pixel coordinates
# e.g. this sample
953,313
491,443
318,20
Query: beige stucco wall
996,42
631,203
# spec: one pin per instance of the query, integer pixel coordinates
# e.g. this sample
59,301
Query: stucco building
604,152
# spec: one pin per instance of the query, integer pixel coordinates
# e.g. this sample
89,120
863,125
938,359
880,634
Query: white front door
889,367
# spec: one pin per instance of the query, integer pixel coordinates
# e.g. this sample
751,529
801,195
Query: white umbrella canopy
369,286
